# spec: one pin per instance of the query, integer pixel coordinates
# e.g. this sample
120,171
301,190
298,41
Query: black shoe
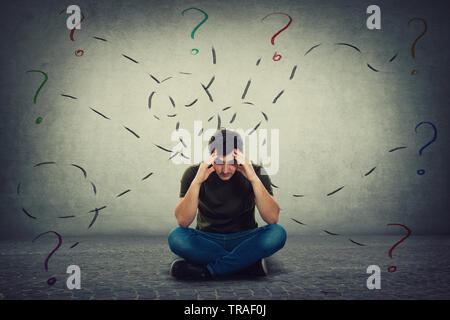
184,270
258,269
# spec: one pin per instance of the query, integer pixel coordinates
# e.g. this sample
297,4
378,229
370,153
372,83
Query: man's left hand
244,166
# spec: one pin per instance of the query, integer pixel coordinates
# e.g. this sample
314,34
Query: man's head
224,142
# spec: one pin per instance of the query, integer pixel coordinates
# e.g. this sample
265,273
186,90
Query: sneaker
184,270
258,269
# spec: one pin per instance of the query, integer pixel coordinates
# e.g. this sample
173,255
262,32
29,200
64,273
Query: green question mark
39,119
198,26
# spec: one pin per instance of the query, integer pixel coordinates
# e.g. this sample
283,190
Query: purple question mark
51,281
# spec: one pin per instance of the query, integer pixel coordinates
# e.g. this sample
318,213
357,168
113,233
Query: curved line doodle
50,163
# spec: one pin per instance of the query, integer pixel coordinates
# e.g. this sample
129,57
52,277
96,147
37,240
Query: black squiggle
279,95
265,116
147,176
93,187
398,148
162,148
298,222
246,89
67,96
210,82
349,45
372,68
207,92
331,233
192,103
173,155
134,133
79,167
150,100
130,58
312,48
254,129
121,194
213,55
154,78
26,212
98,38
233,117
171,101
293,72
100,113
359,244
74,245
371,170
392,59
333,192
42,163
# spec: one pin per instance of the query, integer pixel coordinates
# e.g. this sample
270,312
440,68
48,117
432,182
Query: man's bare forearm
187,209
267,206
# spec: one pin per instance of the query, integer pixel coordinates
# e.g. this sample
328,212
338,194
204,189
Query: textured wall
337,118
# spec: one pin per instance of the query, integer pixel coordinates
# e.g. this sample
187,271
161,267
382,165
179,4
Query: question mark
76,10
421,171
51,281
39,119
198,26
277,57
394,268
413,47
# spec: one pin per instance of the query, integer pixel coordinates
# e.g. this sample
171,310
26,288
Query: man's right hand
205,169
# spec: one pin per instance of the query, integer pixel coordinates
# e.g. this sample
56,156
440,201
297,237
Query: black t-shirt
225,206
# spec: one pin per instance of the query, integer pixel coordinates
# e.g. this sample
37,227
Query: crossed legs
225,254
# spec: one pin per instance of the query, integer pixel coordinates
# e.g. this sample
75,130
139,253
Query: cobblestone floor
308,267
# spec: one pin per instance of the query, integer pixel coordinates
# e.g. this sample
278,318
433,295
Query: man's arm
267,206
265,202
187,206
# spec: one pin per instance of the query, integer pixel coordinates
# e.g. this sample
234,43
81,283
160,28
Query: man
227,240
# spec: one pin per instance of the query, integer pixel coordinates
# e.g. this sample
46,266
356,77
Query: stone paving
308,267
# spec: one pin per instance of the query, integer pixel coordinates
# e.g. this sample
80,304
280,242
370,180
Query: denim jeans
226,254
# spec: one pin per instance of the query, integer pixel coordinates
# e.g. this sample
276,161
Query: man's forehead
229,159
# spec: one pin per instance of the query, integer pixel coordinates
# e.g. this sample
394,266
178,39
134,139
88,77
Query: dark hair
225,141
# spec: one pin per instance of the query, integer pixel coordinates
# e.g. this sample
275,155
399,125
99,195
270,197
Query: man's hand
244,166
205,169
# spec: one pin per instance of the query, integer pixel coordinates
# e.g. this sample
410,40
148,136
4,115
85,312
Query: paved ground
308,267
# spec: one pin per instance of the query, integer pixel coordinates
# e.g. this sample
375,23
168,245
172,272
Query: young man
227,240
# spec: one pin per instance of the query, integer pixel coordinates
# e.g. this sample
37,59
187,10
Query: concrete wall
337,118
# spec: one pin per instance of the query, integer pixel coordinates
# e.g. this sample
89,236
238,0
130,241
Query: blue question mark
422,171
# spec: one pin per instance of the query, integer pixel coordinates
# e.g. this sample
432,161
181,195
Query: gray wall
337,118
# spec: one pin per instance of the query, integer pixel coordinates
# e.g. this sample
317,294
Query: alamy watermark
192,148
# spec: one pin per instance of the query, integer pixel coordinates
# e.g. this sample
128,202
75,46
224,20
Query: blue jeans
225,254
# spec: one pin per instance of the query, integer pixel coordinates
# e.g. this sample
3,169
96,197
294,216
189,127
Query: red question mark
272,41
79,52
394,268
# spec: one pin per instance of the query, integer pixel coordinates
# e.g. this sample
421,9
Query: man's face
225,166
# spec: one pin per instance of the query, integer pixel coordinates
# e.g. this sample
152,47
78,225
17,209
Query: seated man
227,239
